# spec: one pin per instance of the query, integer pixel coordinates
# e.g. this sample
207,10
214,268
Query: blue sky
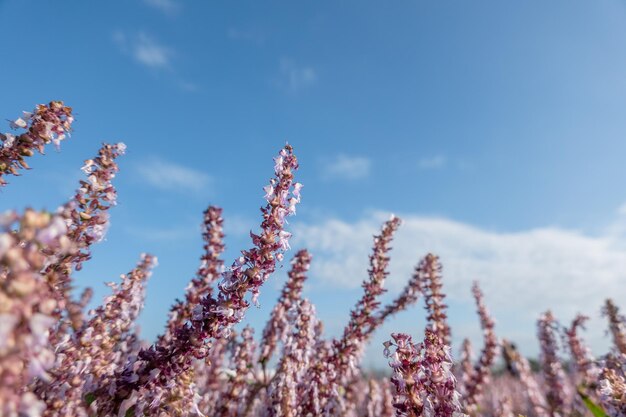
494,128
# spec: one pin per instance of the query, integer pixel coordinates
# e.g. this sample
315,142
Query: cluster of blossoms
278,324
612,383
478,377
617,325
422,373
47,123
103,343
209,272
423,378
27,306
584,364
520,368
59,359
551,364
434,296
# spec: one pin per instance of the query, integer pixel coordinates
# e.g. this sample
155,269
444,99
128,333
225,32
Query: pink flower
7,324
269,192
52,232
278,165
88,167
296,190
284,239
9,140
18,123
30,406
292,206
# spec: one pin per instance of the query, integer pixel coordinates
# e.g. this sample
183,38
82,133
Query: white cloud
150,53
295,77
168,7
522,273
144,49
172,177
434,162
346,167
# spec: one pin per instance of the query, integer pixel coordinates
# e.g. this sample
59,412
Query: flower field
58,358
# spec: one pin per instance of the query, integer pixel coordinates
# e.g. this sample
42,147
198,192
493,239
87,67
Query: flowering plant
59,359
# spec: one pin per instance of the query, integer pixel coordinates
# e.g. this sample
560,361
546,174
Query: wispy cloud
247,35
150,53
170,176
188,86
294,77
168,7
433,162
239,226
522,273
147,51
345,167
144,49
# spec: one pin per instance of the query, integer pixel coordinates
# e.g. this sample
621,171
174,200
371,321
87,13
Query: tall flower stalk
430,273
410,295
27,306
582,359
613,385
617,325
277,326
105,342
285,389
230,402
520,367
86,216
466,366
209,272
553,372
150,374
348,349
482,370
349,346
